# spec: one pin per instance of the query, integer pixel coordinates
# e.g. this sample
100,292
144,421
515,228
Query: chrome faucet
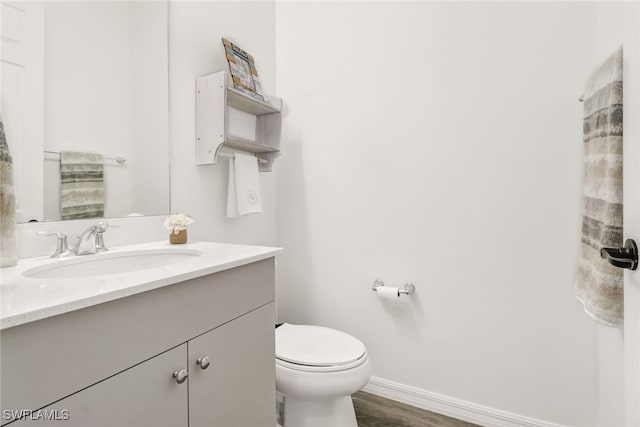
91,240
62,248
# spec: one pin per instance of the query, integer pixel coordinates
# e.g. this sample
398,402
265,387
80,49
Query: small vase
178,239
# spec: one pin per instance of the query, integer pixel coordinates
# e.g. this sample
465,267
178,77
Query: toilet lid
316,346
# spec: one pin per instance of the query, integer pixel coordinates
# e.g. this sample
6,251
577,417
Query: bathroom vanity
189,343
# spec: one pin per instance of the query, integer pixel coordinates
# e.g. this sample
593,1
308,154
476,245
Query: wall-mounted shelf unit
214,96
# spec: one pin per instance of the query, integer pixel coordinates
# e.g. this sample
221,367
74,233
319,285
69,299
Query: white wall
195,48
440,143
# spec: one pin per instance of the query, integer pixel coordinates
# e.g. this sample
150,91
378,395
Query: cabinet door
238,387
144,395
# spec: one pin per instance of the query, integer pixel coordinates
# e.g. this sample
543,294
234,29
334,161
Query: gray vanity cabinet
112,364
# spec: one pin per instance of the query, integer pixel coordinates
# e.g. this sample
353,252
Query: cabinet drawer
52,358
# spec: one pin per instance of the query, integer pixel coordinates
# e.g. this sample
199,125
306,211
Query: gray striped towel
599,285
81,185
8,237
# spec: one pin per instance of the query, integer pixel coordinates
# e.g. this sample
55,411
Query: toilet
317,370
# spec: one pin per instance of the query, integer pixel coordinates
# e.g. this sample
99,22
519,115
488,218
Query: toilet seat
331,368
317,349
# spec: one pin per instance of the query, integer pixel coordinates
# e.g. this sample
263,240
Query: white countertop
26,299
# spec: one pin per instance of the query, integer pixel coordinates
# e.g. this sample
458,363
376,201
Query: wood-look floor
376,411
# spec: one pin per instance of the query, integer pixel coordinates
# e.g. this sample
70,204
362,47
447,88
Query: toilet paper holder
408,289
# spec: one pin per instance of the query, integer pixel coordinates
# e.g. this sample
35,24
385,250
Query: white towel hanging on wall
243,196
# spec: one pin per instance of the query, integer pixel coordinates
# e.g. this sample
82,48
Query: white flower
177,222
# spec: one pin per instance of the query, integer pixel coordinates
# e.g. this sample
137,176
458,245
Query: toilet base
319,413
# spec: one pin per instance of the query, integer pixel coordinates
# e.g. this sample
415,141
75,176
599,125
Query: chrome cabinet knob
180,376
203,362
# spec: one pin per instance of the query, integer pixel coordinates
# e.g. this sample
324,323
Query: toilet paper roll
388,292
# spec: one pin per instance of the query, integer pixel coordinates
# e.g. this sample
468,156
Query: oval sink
111,263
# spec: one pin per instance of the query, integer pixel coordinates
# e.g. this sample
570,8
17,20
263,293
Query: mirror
85,107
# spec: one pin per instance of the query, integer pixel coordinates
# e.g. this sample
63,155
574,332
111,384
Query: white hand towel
243,196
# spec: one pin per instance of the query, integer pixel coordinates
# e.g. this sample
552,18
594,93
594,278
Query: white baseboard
449,406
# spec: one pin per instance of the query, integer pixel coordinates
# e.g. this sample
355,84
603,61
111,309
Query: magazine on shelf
243,71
